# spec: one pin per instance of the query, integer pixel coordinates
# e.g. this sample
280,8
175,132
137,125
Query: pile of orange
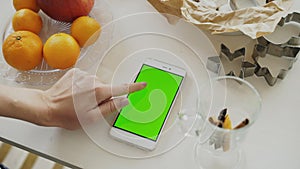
24,49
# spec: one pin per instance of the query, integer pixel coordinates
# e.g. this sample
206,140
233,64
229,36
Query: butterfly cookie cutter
214,63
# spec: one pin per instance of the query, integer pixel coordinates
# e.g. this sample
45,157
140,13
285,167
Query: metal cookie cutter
288,51
214,63
285,52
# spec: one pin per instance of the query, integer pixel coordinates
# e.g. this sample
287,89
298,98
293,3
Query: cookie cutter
214,63
292,17
288,51
285,52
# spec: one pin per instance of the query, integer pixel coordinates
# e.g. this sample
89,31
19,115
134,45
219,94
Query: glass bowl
43,74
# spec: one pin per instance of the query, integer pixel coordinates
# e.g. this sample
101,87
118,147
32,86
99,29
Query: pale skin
55,106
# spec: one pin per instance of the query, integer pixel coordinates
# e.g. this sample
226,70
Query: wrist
45,114
24,104
33,108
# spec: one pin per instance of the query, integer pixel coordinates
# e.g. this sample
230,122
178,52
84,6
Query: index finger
107,91
127,88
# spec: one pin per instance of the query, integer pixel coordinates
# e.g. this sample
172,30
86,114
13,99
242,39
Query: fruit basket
44,75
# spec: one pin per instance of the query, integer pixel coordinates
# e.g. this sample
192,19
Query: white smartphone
141,122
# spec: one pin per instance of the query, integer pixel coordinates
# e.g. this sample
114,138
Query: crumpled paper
252,21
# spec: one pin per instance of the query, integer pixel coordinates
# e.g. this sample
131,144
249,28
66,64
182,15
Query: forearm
22,103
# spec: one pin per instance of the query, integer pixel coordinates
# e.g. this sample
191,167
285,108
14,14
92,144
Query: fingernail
144,83
124,102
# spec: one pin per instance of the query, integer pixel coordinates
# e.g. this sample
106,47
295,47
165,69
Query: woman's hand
77,90
76,95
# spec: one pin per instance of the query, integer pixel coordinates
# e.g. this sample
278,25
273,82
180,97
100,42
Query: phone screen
148,108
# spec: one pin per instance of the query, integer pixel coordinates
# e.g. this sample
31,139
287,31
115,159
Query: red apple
66,10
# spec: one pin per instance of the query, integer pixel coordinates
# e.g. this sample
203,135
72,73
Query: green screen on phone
148,108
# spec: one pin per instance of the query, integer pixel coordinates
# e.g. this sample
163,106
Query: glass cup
220,135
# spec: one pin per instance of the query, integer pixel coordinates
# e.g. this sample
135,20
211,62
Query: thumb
113,105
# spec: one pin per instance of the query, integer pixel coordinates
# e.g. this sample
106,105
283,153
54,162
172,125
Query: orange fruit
26,19
23,50
61,51
85,30
26,4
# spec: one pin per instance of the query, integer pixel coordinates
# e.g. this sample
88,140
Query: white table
273,142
